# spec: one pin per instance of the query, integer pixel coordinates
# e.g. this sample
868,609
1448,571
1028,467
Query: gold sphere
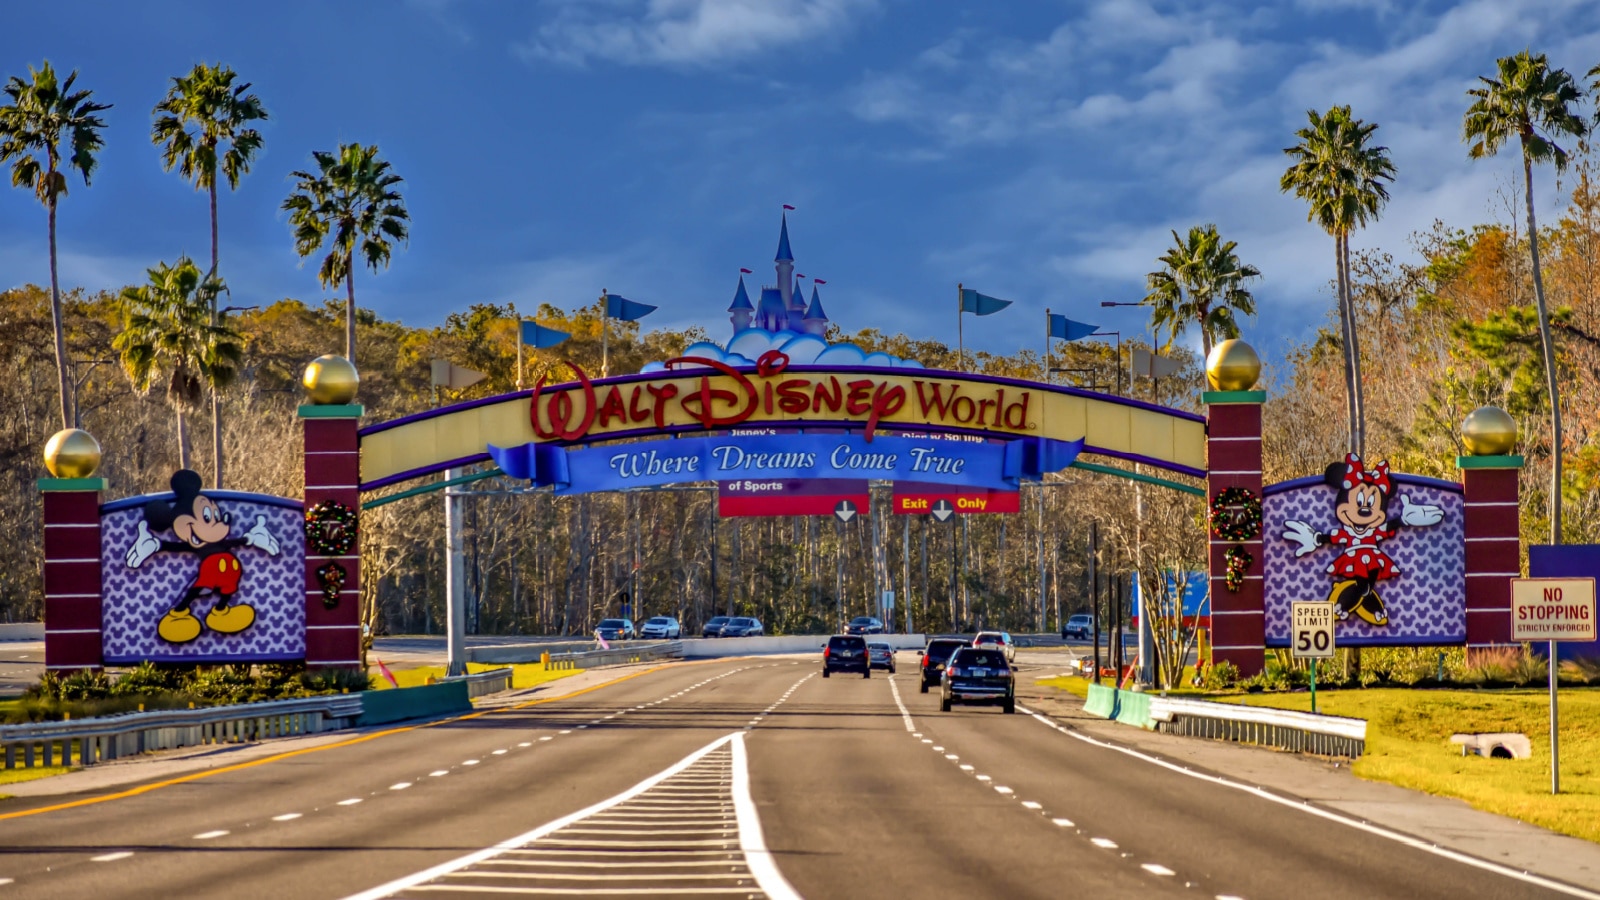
72,453
1233,366
331,380
1489,431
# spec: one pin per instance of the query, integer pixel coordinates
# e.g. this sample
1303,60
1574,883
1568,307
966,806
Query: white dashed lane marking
438,773
1104,843
208,835
286,817
1157,869
112,857
351,802
1064,823
399,786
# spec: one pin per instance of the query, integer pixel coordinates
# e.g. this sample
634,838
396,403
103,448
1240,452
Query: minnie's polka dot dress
1361,557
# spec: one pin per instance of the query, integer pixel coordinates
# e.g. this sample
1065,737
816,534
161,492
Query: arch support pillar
333,472
1233,460
1491,486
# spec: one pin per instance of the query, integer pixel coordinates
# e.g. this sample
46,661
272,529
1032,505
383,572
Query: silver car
880,655
664,628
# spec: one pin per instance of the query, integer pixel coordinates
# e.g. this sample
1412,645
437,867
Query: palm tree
1201,280
44,113
351,199
200,124
1342,178
169,333
1533,103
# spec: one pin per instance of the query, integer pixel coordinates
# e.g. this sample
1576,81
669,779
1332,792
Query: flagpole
605,322
961,341
519,344
1046,348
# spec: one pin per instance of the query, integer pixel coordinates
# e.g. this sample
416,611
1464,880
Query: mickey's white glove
1302,535
1419,513
144,546
258,537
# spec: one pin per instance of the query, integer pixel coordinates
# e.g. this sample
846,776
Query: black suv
934,656
979,675
846,653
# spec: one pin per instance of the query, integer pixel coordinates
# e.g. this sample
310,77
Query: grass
523,675
1408,744
16,776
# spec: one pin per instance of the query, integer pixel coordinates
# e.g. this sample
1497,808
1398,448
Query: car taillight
925,661
952,671
825,651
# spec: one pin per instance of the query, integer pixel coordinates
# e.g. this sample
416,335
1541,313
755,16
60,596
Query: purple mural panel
1426,603
134,600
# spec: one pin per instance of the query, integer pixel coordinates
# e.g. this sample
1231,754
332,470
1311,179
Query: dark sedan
741,626
714,627
864,625
978,675
615,629
934,656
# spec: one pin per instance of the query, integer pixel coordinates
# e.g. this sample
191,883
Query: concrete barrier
398,704
1127,707
709,648
22,631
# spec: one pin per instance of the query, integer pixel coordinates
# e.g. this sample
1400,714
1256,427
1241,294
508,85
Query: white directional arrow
943,510
845,510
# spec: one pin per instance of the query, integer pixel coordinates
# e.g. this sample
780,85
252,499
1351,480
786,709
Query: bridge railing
620,655
90,741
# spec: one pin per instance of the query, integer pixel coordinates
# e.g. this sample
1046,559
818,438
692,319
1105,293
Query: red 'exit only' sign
961,502
1552,609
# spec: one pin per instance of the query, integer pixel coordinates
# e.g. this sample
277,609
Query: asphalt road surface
729,778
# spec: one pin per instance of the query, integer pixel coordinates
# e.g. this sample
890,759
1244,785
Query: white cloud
685,32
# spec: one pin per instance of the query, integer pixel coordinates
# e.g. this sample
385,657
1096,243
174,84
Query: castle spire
784,254
742,309
785,266
816,320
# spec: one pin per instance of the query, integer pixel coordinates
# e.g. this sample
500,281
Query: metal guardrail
1287,729
89,741
480,684
620,655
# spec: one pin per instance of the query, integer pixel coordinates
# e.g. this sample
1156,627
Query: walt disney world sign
700,397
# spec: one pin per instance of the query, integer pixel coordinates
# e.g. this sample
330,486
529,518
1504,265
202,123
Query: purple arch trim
1397,477
801,370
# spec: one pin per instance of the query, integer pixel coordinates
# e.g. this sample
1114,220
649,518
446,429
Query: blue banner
1068,330
981,304
997,466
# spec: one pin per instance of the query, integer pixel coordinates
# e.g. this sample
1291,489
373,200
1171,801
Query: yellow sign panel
713,397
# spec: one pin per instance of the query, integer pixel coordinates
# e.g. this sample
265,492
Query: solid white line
1305,807
112,857
904,715
751,840
208,835
286,817
518,842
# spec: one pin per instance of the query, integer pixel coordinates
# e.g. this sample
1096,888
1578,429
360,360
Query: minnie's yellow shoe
1372,611
230,619
178,626
1343,597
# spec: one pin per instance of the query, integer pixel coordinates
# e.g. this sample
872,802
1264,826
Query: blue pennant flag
1068,330
625,309
536,335
981,304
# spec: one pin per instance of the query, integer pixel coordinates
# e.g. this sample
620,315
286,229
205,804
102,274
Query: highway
744,777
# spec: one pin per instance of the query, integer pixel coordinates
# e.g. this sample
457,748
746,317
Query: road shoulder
1444,821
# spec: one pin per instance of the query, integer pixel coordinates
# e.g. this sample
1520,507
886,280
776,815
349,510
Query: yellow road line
290,754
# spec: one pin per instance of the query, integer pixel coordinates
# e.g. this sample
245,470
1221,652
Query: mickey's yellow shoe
178,626
230,619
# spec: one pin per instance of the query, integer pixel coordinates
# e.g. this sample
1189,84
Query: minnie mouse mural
202,530
1361,504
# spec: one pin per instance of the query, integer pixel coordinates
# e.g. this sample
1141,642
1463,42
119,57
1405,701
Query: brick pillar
1494,544
71,572
1233,459
333,472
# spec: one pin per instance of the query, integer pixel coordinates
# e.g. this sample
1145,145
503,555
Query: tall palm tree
1201,281
169,333
351,199
1342,177
201,126
47,125
1532,102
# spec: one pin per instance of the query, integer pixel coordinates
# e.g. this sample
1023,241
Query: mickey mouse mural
202,530
1362,496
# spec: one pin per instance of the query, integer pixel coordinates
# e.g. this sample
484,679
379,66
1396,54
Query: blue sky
1037,151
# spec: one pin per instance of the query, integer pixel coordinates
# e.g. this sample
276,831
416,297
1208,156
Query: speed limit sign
1312,637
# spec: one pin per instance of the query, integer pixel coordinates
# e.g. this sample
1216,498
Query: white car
661,627
1000,639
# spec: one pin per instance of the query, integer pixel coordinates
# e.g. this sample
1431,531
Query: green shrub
151,678
1220,676
85,684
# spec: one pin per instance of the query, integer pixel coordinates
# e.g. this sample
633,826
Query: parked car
864,625
1078,626
665,628
742,626
1000,640
714,627
880,655
846,653
978,675
934,656
615,629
